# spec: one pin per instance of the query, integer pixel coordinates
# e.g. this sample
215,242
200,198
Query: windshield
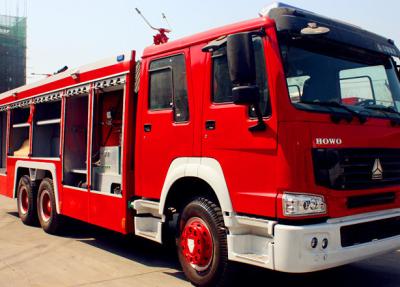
319,73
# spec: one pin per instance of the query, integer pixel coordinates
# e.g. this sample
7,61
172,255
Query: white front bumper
289,249
293,252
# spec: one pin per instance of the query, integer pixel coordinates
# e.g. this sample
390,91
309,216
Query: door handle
147,128
210,125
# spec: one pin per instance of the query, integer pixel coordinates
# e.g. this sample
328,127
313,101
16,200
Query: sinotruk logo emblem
377,171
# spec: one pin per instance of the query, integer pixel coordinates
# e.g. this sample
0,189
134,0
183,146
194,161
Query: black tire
26,201
46,207
214,273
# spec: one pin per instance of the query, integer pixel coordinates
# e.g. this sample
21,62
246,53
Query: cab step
148,221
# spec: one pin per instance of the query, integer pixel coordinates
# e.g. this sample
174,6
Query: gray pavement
89,256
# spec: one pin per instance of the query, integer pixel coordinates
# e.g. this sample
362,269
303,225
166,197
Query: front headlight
297,204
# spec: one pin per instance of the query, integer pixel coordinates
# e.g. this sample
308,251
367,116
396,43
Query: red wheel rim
197,244
45,205
24,200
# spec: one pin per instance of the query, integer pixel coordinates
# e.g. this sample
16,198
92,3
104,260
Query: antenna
161,37
166,20
40,74
145,20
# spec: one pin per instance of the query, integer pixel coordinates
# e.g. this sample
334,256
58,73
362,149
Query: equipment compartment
106,142
19,132
75,141
46,130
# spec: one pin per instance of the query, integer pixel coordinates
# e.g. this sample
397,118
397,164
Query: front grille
371,200
347,169
366,232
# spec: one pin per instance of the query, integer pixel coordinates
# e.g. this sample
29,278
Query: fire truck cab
273,142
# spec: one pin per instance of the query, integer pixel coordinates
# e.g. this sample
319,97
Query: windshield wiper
385,110
382,108
362,118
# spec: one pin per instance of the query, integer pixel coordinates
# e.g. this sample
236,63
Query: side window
161,89
168,87
222,85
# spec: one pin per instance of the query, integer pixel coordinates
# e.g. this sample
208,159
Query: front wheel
202,244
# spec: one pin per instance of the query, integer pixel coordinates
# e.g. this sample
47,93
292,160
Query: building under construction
12,52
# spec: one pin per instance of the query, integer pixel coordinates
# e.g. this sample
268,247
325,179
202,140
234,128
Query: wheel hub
197,244
24,200
46,206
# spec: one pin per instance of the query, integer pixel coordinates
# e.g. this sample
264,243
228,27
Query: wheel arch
186,172
37,170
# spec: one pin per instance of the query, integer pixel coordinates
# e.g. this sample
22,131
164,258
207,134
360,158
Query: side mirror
242,71
241,63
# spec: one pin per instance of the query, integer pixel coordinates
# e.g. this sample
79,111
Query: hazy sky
77,32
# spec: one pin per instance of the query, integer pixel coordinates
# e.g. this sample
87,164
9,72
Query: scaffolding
12,52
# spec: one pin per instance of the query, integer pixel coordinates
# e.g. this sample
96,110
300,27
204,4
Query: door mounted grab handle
147,128
210,125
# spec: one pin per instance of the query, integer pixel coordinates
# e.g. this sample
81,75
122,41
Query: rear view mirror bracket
222,40
260,126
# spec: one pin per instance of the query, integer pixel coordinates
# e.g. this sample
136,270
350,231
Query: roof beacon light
75,75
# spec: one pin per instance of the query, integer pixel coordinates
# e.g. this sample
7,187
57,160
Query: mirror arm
260,126
261,32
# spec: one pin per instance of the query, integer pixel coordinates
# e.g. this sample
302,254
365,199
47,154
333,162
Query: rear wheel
202,244
26,200
46,207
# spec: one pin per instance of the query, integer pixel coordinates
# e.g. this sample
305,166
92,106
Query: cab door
247,157
165,128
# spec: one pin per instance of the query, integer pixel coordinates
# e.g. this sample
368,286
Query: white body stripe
40,166
207,169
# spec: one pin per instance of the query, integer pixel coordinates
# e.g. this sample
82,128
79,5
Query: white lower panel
293,252
149,227
251,249
287,248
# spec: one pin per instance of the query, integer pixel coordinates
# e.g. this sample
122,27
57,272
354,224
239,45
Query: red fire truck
273,142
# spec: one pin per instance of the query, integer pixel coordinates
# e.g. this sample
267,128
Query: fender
207,169
40,166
